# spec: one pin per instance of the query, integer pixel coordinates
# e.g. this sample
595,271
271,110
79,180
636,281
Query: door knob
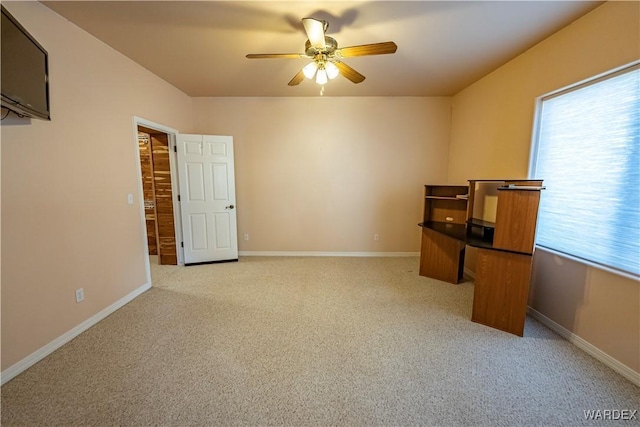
230,207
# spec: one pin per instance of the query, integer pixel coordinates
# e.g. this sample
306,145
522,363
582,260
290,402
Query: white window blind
587,150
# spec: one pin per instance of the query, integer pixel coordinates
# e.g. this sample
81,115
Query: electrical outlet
376,237
246,236
80,295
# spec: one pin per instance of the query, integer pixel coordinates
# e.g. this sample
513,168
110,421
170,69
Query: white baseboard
589,348
335,254
19,367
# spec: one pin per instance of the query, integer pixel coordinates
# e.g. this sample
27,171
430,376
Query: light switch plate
80,295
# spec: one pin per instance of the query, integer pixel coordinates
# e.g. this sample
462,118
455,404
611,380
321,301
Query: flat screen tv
25,74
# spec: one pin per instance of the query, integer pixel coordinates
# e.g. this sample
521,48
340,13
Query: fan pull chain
322,91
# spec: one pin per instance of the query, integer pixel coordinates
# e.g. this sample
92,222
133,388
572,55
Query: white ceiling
200,46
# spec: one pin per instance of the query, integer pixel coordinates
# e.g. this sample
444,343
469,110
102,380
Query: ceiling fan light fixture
310,69
321,76
332,70
327,58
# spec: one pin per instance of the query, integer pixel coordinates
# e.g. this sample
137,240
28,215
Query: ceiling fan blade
349,72
295,81
367,49
315,32
276,55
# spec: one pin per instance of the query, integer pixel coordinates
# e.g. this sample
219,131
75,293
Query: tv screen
25,74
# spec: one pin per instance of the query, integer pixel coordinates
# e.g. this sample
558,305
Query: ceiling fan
326,57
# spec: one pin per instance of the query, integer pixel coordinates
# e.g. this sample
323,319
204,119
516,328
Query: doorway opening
159,194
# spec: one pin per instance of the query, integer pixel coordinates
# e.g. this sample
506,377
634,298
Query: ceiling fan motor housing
330,47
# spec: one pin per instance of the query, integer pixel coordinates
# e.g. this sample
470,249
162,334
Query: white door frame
177,222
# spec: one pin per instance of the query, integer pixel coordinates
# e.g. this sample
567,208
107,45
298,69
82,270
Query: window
587,149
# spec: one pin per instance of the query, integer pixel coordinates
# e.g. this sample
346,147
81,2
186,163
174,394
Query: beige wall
66,223
326,174
490,138
600,307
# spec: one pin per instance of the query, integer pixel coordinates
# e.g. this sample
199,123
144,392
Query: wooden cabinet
445,203
516,219
445,214
505,246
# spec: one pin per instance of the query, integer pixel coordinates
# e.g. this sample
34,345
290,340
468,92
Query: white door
207,198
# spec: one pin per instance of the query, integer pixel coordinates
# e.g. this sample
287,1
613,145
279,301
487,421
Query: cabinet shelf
444,203
480,223
458,199
522,187
480,231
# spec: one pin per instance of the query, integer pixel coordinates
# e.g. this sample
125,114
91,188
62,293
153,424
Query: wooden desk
505,248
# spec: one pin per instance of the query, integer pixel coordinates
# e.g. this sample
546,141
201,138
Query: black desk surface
463,232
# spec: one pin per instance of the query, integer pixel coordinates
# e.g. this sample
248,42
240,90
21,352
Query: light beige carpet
310,341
